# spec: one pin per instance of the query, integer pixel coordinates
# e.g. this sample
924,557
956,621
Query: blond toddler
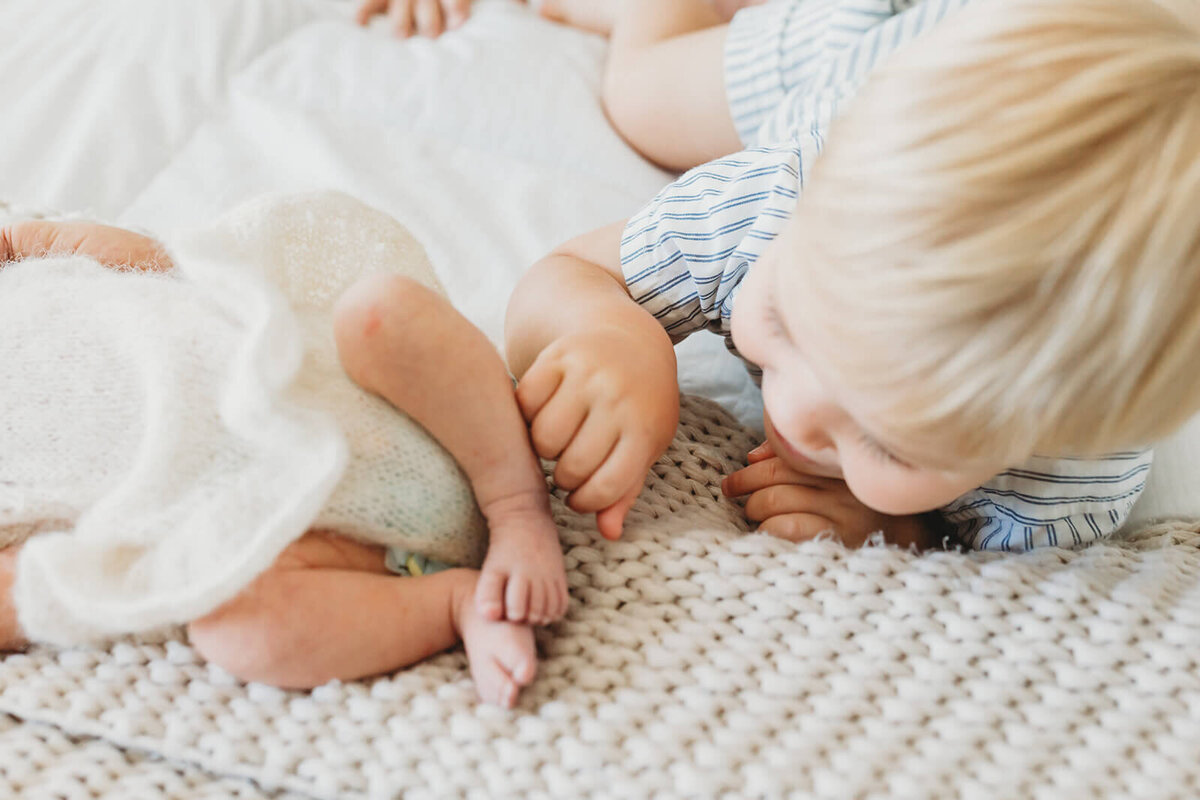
962,256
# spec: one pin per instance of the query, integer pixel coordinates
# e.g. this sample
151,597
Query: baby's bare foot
596,16
523,579
502,655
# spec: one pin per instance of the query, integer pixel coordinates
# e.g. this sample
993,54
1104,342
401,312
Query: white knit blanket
696,660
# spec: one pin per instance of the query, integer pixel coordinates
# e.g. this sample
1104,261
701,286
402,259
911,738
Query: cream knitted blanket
696,660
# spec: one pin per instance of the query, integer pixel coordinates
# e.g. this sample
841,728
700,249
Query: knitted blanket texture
697,659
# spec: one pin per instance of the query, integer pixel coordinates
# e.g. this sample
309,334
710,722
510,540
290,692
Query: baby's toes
537,603
518,658
516,598
489,593
504,664
559,599
496,686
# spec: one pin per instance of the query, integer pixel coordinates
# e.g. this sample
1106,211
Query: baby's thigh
319,549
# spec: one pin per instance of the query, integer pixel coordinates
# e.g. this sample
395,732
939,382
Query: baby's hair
1000,246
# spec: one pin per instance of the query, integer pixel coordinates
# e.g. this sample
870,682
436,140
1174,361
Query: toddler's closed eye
881,453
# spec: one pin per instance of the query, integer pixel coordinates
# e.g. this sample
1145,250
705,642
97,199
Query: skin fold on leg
329,609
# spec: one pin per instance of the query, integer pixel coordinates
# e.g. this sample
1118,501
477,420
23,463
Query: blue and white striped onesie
789,64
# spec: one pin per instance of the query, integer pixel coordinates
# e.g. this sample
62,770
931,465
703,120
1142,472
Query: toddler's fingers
428,16
782,499
400,12
557,424
456,12
584,454
611,521
368,9
537,386
624,469
797,527
762,474
760,453
489,594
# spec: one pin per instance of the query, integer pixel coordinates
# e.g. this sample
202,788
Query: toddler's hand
605,406
523,579
425,17
796,506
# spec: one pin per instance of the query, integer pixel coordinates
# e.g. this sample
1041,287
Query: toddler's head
998,253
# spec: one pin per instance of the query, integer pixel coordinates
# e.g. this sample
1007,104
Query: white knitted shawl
168,435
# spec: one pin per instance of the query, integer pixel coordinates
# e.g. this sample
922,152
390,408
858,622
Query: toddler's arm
409,345
598,376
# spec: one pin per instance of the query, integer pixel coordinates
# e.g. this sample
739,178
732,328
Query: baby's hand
605,406
425,17
523,578
113,247
796,506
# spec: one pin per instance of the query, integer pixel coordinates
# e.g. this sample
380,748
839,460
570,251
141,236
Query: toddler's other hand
523,579
796,506
424,17
605,406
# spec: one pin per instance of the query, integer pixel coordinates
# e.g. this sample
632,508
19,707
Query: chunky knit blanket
697,659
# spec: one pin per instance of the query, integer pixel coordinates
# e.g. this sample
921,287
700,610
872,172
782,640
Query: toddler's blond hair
1000,247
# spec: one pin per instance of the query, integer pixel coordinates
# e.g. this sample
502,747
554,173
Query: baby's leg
406,343
11,636
664,86
329,609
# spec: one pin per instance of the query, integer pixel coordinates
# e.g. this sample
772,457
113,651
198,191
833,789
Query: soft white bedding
490,144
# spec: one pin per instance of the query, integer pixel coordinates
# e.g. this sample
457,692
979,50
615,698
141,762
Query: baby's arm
598,375
114,247
409,345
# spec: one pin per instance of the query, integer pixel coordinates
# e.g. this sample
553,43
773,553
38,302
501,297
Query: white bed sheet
490,143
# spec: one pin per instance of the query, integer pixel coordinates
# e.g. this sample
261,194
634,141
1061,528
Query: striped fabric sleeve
685,253
1051,502
861,34
770,51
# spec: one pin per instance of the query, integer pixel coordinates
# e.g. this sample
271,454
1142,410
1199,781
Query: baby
330,607
971,315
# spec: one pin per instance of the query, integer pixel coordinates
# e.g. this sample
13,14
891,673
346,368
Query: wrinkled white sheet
489,143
